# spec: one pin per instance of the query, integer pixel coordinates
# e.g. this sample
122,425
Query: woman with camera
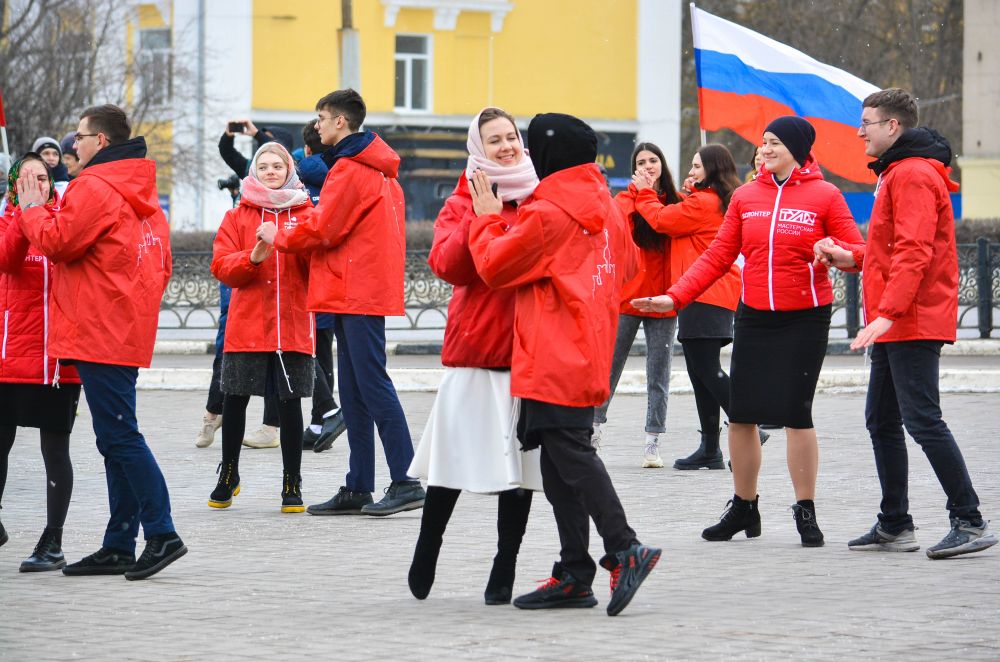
268,347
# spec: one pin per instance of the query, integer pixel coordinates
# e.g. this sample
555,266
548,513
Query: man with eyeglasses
110,243
910,280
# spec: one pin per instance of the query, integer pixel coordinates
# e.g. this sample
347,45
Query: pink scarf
291,194
514,183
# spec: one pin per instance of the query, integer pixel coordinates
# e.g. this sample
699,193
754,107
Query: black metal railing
192,297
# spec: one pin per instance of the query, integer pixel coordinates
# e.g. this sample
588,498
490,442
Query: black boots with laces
740,515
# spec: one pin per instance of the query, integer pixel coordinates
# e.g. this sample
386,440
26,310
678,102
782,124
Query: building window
413,72
153,61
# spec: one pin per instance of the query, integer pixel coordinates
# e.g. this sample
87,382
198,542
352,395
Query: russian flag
745,80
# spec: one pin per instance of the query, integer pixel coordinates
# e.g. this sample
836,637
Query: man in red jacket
110,243
567,255
357,243
910,280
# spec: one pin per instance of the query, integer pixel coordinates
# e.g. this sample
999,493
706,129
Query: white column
228,69
658,78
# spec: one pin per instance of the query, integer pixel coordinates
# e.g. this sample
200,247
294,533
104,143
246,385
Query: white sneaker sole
652,464
887,547
977,545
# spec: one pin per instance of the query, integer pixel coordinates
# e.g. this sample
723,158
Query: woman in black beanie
783,319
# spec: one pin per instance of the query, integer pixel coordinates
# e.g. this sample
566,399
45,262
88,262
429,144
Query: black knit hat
796,134
559,141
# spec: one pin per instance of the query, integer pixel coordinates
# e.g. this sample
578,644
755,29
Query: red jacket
692,224
356,233
654,275
910,262
111,245
268,309
480,329
568,255
775,227
26,295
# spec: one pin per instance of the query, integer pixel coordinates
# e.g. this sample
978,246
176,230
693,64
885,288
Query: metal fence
192,297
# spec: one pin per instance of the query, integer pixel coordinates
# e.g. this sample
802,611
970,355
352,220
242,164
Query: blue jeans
137,492
368,399
659,332
903,391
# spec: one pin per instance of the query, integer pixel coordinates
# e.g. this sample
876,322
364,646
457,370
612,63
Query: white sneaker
652,459
208,429
265,437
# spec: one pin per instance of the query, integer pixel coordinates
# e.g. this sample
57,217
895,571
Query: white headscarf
291,194
514,183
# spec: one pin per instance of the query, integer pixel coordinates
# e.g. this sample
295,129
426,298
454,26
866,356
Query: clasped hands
265,242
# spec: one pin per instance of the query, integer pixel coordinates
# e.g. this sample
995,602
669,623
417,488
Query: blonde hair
276,148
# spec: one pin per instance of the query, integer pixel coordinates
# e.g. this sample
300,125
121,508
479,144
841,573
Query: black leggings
234,424
709,381
58,471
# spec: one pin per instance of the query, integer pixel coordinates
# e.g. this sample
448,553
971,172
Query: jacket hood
809,171
312,170
920,142
581,192
124,168
368,148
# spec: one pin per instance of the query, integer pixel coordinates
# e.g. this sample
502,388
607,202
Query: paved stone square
258,584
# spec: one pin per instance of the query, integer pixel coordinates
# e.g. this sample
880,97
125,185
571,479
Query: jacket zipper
770,246
6,316
277,271
45,316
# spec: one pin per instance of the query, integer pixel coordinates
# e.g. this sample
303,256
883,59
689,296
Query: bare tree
59,56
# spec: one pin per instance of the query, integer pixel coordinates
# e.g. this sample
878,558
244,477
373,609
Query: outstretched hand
483,200
829,254
868,335
660,304
642,180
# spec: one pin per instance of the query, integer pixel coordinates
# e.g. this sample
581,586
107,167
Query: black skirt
39,406
265,374
777,358
705,321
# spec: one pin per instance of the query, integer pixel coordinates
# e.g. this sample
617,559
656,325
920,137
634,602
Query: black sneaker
3,535
399,496
344,502
160,552
227,487
628,570
333,427
560,591
48,554
291,494
309,439
880,540
105,561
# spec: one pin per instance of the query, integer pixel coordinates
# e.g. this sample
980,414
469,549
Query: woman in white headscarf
269,346
469,442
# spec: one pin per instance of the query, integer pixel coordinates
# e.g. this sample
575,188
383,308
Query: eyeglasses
865,124
320,119
77,137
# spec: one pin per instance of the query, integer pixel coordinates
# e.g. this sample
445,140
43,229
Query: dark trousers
710,383
216,397
903,391
137,492
369,400
322,400
578,487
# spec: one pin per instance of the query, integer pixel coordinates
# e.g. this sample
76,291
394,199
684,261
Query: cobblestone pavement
258,584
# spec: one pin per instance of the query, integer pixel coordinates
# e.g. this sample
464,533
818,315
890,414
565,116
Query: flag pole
697,70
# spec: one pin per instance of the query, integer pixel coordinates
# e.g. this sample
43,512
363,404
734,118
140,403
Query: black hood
350,145
130,149
919,142
558,142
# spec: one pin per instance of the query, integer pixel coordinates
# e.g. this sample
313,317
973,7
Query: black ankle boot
423,566
228,485
291,493
708,455
48,554
3,535
512,520
740,515
805,522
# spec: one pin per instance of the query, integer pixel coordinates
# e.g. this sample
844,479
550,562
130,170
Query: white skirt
470,441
